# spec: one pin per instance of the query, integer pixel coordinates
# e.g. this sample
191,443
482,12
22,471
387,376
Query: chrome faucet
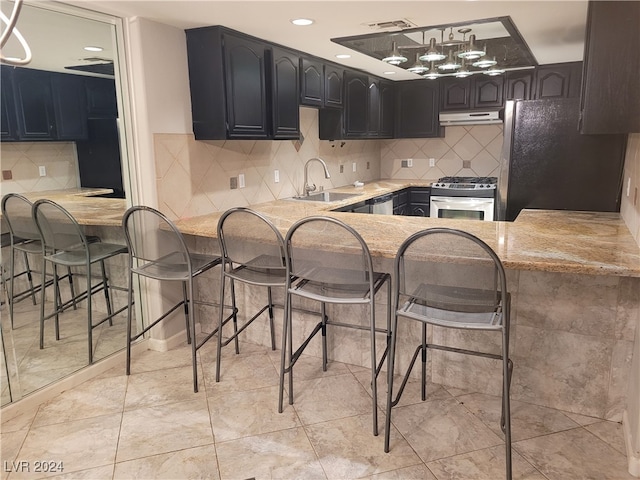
311,188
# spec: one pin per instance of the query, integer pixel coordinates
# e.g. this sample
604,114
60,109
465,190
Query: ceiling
553,30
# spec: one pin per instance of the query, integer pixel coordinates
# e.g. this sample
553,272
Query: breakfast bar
574,278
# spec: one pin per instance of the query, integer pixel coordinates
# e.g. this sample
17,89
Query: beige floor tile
417,472
308,367
485,464
574,454
151,360
98,473
244,414
21,421
79,445
582,419
91,399
11,443
240,373
441,428
611,433
347,448
527,421
189,464
165,428
150,388
329,398
286,454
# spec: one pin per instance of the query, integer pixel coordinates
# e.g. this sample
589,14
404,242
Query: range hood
470,118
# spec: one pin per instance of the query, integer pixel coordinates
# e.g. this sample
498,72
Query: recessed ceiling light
302,21
91,48
343,55
389,73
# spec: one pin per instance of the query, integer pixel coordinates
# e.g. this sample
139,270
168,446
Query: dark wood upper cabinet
8,124
455,93
475,92
245,87
519,85
610,97
312,91
417,103
69,106
34,104
286,91
373,126
387,110
333,87
356,110
101,97
558,80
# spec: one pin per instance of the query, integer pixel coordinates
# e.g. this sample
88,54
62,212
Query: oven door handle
466,201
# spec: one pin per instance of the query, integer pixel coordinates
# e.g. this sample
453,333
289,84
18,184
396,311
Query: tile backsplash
193,177
24,159
470,151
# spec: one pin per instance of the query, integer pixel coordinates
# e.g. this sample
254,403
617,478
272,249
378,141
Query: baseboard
633,457
35,399
166,344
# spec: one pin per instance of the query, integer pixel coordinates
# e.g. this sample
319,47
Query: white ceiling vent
391,25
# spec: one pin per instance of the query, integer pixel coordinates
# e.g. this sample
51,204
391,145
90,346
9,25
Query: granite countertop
591,243
86,208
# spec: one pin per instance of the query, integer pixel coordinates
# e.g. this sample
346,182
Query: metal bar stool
343,275
23,236
157,250
451,279
252,253
64,243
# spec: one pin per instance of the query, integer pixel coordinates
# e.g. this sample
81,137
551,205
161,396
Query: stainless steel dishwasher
382,205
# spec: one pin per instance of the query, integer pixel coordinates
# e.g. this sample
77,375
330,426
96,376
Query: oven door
462,207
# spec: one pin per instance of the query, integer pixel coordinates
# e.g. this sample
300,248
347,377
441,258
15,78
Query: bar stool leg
57,301
89,315
107,296
374,376
42,301
323,314
423,388
390,366
12,267
192,326
29,277
72,288
186,311
129,319
220,321
284,347
273,333
235,315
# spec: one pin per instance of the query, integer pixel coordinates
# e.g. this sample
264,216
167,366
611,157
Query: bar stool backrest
59,230
155,241
17,212
248,238
328,251
450,270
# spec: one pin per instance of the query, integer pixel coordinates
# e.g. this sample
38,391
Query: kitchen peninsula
574,278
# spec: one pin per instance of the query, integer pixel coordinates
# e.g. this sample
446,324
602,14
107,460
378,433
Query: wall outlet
7,174
368,165
341,168
353,165
43,170
432,162
233,183
276,176
409,162
241,180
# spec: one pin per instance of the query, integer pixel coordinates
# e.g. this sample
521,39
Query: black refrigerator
547,164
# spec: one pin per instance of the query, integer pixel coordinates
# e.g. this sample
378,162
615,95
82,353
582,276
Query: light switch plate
241,180
276,176
43,170
354,166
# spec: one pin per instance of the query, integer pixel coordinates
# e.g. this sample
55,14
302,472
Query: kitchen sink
326,197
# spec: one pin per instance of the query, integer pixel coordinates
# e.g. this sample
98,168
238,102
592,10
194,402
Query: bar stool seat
344,276
65,243
451,279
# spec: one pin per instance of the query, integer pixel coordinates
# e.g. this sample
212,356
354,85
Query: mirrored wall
69,41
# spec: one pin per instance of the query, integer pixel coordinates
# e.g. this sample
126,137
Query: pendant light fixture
485,62
418,67
450,63
395,58
471,51
463,71
432,54
433,73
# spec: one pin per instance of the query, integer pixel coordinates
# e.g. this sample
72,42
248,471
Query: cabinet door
518,85
487,92
610,98
559,80
32,94
8,126
373,125
70,106
333,90
246,91
456,93
311,83
417,109
101,97
357,102
285,94
387,110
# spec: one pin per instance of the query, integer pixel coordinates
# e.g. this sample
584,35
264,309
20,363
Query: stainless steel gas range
464,197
